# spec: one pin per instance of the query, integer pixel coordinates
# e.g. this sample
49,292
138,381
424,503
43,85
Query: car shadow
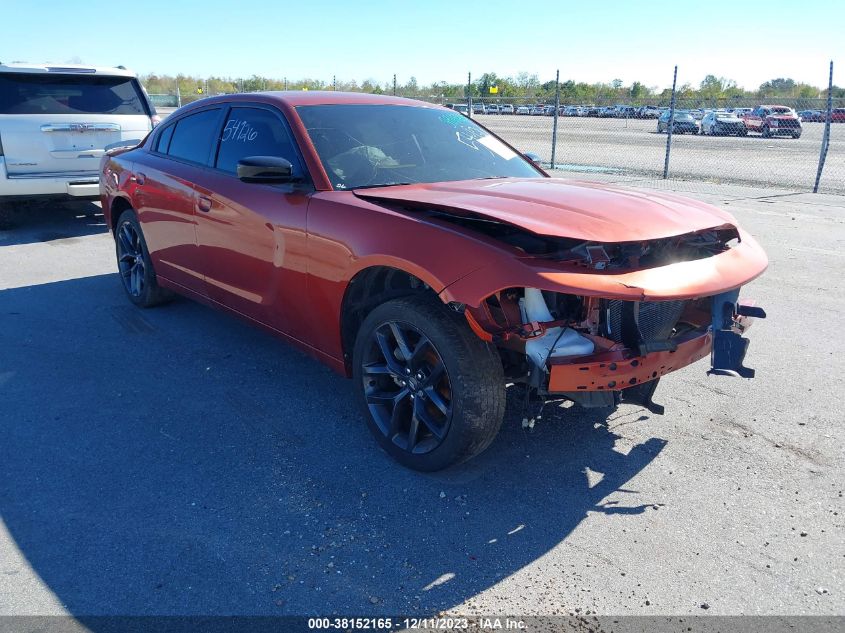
179,461
28,223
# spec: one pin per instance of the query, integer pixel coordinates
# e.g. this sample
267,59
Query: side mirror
533,158
266,169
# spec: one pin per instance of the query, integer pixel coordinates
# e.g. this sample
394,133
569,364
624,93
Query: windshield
683,116
69,94
724,115
379,145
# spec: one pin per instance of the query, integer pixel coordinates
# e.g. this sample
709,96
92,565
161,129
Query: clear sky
748,41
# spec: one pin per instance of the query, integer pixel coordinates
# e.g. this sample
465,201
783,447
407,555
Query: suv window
254,132
50,93
194,136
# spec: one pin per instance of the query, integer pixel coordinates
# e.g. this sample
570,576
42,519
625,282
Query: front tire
134,263
432,392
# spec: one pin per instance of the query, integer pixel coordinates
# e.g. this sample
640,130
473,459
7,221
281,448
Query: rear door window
194,136
48,93
163,143
255,132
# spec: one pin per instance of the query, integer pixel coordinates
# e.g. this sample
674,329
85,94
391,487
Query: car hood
561,208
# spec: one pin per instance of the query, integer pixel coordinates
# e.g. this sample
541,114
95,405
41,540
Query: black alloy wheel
130,259
407,387
134,263
431,391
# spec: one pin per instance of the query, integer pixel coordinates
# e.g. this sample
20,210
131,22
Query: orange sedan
408,247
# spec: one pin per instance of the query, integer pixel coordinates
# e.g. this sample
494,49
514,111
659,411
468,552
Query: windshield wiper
384,184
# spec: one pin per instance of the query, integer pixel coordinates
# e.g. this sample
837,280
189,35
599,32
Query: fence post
178,95
394,84
671,124
826,135
469,95
334,83
557,107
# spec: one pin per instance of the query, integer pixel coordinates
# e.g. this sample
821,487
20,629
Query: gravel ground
633,147
179,461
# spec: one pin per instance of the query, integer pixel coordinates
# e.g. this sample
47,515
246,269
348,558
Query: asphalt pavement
178,461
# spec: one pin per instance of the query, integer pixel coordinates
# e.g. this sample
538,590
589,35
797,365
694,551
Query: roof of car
319,97
65,69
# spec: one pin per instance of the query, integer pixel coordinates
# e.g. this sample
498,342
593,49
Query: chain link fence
795,144
723,141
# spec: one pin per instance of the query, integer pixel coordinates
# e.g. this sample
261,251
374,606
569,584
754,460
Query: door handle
139,178
204,204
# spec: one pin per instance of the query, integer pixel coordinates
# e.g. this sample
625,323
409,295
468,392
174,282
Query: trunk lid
64,143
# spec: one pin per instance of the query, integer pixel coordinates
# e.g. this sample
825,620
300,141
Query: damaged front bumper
632,377
616,370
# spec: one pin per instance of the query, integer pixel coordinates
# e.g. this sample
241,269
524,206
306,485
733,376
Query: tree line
489,86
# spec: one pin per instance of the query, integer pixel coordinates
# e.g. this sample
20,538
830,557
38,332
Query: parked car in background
648,112
719,123
570,111
479,108
538,110
57,121
837,115
461,107
431,286
773,120
493,108
684,123
525,110
506,108
626,112
811,116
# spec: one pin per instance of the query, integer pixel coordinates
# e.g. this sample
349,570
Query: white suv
56,121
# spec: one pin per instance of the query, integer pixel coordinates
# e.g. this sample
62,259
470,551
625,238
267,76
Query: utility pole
334,83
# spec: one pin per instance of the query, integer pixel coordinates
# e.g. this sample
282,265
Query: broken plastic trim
729,347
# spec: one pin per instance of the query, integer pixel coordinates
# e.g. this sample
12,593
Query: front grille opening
642,325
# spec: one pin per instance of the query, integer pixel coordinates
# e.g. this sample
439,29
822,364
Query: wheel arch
116,209
371,286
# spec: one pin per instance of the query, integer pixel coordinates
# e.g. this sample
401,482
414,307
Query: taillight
155,120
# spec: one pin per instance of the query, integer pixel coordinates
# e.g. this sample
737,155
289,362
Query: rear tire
432,392
6,216
134,264
766,132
